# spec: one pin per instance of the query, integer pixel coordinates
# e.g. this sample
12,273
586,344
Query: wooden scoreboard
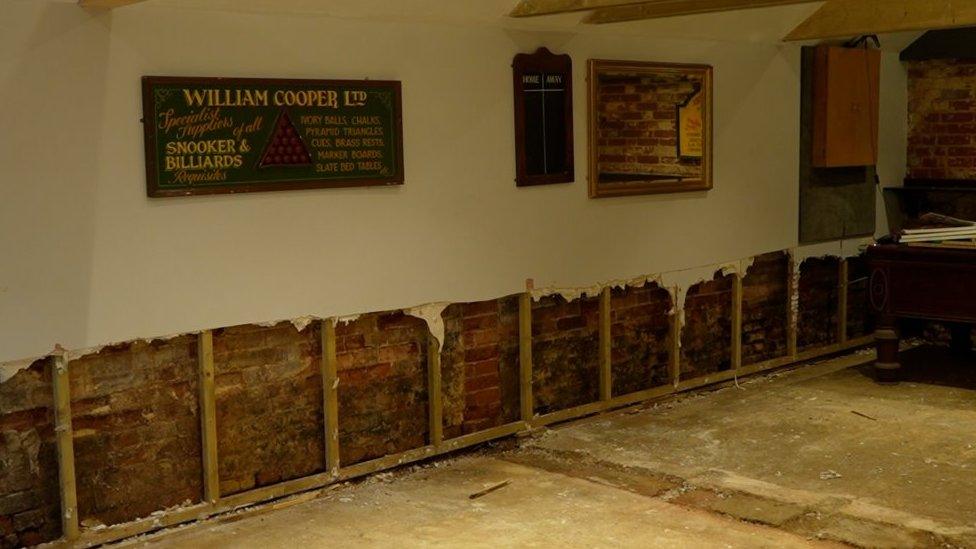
543,118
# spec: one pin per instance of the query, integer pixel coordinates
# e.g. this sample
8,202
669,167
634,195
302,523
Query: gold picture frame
641,115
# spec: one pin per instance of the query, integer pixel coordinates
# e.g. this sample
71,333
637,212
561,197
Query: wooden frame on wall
543,84
634,148
211,135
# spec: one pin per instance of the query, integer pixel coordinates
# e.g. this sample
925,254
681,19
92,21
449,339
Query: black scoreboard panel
543,124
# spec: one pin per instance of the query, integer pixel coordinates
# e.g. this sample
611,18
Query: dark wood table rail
927,283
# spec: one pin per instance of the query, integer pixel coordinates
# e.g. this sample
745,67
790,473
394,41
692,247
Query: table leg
886,367
962,339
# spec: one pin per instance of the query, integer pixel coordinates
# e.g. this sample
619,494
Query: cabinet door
845,103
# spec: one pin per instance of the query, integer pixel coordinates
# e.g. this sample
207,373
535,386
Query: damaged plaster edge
300,322
9,369
844,249
75,354
345,319
594,290
680,281
676,282
432,314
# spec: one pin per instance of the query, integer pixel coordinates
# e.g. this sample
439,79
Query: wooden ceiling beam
848,18
672,8
106,4
532,8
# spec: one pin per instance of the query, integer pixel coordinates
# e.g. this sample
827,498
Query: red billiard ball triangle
285,147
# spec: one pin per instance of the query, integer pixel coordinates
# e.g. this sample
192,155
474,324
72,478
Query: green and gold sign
231,135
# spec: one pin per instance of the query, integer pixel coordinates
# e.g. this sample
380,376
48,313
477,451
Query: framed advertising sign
234,135
543,118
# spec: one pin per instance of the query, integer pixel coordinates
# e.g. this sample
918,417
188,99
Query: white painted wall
86,258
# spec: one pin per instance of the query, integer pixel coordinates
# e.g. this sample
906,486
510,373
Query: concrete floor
819,456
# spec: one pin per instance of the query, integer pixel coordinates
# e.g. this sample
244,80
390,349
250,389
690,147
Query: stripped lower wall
140,411
268,395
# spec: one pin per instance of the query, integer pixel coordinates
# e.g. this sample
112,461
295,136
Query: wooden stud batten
842,301
792,313
64,439
606,347
330,396
737,322
527,405
208,417
435,411
106,4
674,339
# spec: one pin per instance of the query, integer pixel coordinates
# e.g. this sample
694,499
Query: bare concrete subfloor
814,457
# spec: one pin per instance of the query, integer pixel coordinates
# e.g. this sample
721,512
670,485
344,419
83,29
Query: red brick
472,384
482,368
485,397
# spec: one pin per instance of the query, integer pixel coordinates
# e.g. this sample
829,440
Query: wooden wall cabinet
845,106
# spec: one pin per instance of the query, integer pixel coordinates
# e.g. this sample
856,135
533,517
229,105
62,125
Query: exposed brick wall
706,338
640,326
817,324
136,429
480,365
382,363
269,405
637,127
565,352
29,494
765,308
860,317
942,119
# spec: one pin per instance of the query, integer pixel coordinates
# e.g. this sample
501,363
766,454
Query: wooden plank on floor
64,440
208,417
330,389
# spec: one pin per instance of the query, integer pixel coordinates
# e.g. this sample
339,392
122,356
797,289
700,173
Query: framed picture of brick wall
650,128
